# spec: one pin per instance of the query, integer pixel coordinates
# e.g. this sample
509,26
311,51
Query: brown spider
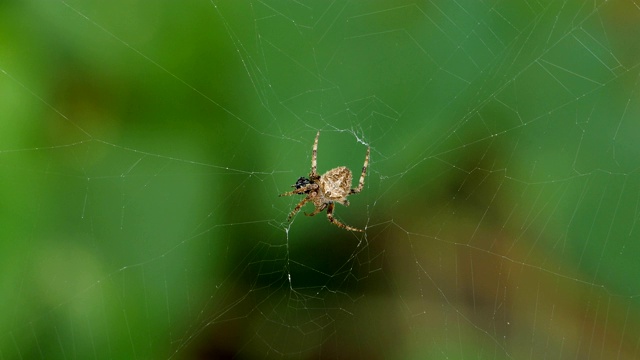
332,187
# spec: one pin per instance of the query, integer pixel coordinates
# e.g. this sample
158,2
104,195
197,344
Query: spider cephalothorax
302,182
331,187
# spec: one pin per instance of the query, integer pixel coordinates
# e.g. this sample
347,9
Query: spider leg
301,190
336,222
298,207
364,172
314,159
294,192
317,210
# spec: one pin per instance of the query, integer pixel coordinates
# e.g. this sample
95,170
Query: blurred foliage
143,146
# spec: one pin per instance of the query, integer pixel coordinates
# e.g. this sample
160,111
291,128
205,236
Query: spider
325,190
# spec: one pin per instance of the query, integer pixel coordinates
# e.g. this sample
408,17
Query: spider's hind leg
364,173
336,222
317,210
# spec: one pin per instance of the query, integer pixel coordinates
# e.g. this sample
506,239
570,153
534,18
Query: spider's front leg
294,192
298,207
314,160
301,190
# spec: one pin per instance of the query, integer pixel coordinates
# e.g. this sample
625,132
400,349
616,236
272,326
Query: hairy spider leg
306,199
364,172
301,190
314,160
317,210
298,207
337,223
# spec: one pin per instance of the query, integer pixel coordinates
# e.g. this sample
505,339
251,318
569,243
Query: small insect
325,190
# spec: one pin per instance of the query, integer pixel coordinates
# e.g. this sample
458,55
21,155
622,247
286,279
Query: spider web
144,147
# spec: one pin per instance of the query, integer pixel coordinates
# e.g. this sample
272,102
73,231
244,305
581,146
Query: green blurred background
143,146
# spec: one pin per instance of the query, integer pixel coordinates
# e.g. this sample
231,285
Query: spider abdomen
336,184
